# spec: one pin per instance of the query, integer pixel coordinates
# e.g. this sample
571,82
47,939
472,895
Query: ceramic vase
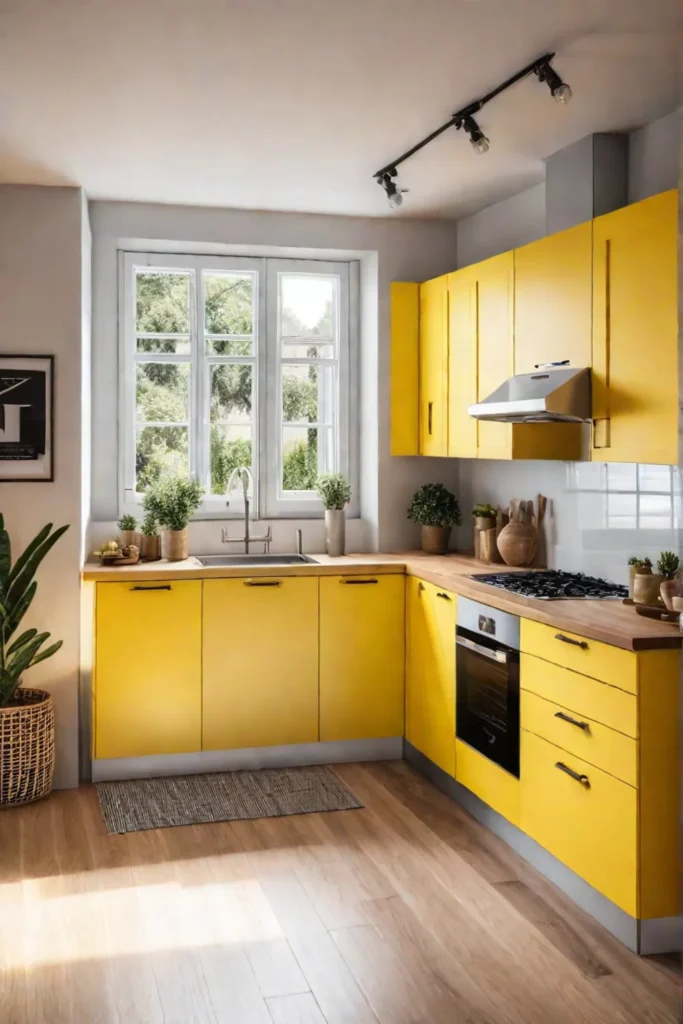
177,547
668,590
151,548
335,531
435,539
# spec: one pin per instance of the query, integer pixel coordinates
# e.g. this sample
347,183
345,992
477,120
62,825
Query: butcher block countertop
609,621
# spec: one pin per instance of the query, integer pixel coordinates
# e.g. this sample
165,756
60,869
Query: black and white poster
26,418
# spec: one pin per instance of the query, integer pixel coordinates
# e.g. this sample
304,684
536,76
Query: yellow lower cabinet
147,695
583,816
488,781
260,653
593,658
362,645
430,672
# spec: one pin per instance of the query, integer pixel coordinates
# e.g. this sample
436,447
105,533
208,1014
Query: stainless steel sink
247,560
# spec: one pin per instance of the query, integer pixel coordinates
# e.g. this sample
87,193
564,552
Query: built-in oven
487,682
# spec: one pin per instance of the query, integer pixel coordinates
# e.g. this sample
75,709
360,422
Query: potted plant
634,564
485,517
646,584
150,550
128,531
437,511
27,726
335,491
668,566
173,500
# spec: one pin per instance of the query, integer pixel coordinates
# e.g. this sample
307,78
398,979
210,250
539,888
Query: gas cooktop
553,585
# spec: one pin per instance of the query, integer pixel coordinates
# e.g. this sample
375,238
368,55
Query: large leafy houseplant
172,502
17,590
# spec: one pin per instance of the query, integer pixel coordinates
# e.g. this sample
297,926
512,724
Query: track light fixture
560,91
464,119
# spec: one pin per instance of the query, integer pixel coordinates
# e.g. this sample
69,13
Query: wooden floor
405,912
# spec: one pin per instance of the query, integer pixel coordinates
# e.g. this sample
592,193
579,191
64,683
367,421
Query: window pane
159,450
621,476
291,350
232,392
307,306
306,452
308,393
228,303
162,302
656,505
654,478
170,346
230,449
230,346
162,392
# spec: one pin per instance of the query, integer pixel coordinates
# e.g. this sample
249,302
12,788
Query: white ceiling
293,104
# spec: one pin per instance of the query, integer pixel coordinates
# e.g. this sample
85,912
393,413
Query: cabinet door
147,695
434,367
495,356
405,370
553,298
260,662
430,664
362,645
463,319
635,333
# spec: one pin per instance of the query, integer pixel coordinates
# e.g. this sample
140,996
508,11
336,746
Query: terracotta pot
177,547
435,539
517,543
127,537
668,590
646,588
151,548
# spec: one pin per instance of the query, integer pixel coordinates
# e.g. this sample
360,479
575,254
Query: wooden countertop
610,621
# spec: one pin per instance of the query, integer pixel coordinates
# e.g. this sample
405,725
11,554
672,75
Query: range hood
552,394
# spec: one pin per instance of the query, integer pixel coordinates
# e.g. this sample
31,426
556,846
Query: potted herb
173,500
646,584
668,566
485,517
634,564
128,531
27,726
437,511
150,550
335,492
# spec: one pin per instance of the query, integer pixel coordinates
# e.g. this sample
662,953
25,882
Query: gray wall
41,297
653,157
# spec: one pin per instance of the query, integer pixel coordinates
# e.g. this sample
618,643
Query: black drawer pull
568,640
572,721
356,583
163,586
445,597
583,779
265,583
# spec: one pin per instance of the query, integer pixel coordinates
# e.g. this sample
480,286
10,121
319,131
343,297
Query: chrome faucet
242,475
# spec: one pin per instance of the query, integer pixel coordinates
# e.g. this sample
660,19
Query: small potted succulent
668,566
634,567
172,501
437,511
485,517
151,541
335,492
646,584
128,531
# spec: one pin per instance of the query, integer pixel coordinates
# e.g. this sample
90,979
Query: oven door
487,697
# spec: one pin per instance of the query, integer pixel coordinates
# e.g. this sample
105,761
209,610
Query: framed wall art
26,418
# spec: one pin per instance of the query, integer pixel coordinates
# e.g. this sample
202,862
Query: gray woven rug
139,804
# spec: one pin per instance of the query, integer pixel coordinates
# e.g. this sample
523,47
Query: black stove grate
553,585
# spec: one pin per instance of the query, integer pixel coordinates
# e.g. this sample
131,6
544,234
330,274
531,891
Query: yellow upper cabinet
553,296
635,333
260,662
148,681
433,377
495,351
405,338
430,672
362,645
463,337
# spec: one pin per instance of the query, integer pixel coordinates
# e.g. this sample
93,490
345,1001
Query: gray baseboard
299,754
662,935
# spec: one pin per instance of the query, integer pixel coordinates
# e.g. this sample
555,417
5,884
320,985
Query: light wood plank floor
405,912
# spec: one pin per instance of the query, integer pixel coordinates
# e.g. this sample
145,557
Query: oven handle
486,652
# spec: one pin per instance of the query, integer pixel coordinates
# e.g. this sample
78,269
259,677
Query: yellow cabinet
430,672
362,657
635,333
488,781
463,348
433,386
405,368
147,693
260,654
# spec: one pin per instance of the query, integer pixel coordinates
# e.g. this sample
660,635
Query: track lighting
480,143
560,91
394,194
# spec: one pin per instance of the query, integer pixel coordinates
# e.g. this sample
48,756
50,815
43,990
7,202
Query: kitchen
450,871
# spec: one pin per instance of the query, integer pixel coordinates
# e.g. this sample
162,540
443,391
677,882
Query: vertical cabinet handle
430,408
583,779
569,640
420,587
164,586
572,721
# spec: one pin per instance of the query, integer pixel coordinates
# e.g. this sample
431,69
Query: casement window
229,362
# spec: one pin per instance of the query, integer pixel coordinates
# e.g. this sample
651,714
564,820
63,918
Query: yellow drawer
580,735
588,697
589,825
488,781
592,658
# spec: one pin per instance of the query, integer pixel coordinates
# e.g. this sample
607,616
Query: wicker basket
27,748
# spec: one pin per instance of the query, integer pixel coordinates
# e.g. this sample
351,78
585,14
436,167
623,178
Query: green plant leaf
16,614
47,653
20,641
5,558
22,659
26,554
22,579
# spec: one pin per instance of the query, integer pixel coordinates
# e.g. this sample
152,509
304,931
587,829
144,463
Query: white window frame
267,499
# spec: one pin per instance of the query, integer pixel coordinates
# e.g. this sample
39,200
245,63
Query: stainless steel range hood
552,394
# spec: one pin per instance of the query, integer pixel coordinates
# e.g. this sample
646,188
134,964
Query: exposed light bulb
563,93
480,145
396,200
